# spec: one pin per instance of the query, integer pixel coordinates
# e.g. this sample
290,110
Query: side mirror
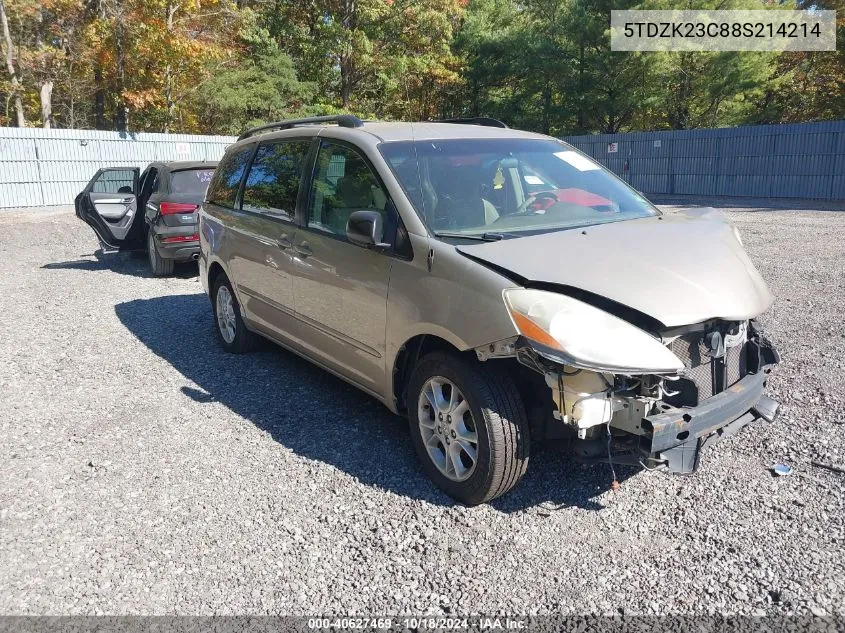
366,228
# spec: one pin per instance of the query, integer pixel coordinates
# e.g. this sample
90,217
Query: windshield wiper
483,237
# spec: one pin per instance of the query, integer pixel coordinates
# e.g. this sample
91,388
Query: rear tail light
171,208
180,238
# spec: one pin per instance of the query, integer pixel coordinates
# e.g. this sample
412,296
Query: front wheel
469,427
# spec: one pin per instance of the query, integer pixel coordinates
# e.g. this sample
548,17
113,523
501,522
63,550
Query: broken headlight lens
586,337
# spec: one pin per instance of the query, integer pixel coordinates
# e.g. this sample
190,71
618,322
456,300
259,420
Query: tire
500,424
238,339
160,266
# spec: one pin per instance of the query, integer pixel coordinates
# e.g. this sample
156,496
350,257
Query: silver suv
497,287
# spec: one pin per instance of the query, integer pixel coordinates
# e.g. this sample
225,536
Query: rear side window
273,181
227,177
190,181
115,181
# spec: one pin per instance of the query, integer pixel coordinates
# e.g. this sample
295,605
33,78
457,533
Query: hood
680,268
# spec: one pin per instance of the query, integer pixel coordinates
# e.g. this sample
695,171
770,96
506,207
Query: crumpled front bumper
675,437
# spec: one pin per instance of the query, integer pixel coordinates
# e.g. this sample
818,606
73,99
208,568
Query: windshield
190,181
509,187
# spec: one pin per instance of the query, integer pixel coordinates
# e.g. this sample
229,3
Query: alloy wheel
226,314
448,430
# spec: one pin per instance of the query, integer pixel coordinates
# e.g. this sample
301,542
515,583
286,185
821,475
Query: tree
257,91
706,89
500,48
816,89
546,65
9,56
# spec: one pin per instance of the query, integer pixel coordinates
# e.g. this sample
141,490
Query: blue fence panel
801,160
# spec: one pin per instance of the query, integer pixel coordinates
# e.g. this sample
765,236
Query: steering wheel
541,195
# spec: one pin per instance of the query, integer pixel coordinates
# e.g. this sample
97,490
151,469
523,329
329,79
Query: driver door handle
304,249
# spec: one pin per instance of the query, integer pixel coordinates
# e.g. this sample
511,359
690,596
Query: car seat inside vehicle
351,195
357,189
460,203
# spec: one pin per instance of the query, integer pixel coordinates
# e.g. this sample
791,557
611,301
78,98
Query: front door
109,205
340,288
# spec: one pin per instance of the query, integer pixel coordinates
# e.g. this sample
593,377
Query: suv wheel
229,325
159,265
469,427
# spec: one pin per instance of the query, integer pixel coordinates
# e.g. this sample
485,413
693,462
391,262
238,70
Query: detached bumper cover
676,436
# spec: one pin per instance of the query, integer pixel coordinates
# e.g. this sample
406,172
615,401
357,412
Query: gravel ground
145,471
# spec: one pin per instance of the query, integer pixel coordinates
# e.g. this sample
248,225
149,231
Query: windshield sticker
533,180
581,163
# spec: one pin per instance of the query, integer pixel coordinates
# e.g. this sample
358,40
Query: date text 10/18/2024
492,623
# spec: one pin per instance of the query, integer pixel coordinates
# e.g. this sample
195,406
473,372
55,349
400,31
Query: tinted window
227,177
115,181
148,181
273,181
343,183
190,181
512,186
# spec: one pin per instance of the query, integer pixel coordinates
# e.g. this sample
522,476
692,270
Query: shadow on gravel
321,417
132,263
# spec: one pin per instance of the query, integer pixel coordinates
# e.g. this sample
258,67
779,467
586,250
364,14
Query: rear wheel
469,427
229,325
160,266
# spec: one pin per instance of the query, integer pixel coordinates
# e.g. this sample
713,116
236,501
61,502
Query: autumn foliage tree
216,66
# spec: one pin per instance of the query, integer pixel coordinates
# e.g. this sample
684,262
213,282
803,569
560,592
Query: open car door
109,205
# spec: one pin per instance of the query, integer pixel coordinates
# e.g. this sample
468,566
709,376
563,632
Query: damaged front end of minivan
643,333
628,396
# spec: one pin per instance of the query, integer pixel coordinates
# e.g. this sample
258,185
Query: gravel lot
145,471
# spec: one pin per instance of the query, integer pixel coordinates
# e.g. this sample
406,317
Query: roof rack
486,121
343,120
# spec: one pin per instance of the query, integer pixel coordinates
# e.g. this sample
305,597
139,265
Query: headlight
586,337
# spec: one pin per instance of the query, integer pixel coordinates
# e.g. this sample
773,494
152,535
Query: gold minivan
497,287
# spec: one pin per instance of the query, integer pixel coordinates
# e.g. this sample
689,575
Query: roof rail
343,120
486,121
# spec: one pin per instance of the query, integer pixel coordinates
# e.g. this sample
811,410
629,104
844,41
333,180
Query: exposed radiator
705,376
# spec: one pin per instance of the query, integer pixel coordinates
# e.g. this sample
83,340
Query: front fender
459,301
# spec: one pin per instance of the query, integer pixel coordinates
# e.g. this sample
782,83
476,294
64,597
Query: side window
115,181
146,184
227,177
273,181
343,183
